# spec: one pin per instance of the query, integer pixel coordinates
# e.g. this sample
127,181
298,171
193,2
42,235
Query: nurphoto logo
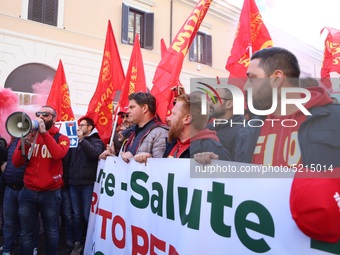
239,103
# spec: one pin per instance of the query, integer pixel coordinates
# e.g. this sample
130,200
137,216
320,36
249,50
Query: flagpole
114,126
250,46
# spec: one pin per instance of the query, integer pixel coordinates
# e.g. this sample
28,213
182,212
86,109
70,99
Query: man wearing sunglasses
42,182
123,130
230,124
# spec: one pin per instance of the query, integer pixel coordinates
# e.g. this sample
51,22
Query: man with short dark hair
148,136
83,162
42,182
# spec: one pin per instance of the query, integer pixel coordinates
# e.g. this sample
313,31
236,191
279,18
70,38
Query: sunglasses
44,114
125,116
222,98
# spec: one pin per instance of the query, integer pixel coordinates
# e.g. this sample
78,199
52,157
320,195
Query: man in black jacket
226,124
313,140
82,174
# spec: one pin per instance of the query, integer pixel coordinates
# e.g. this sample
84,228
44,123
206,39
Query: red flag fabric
331,59
163,48
175,91
59,96
135,75
111,79
251,35
169,69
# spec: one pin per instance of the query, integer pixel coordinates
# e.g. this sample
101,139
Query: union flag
331,59
59,96
169,68
251,36
111,79
135,75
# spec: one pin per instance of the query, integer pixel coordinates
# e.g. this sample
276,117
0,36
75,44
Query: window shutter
208,50
35,10
125,23
43,11
51,12
148,31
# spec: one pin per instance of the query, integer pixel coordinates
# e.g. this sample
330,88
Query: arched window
23,77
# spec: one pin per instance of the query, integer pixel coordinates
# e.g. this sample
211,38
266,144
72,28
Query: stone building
36,34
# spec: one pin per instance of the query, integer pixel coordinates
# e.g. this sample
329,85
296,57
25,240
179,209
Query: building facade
36,34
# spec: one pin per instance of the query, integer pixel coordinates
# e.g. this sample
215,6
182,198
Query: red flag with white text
169,69
135,75
251,36
331,59
59,96
111,79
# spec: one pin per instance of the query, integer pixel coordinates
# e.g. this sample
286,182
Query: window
201,49
22,78
28,79
43,11
137,22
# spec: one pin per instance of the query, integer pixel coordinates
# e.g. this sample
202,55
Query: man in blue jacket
13,181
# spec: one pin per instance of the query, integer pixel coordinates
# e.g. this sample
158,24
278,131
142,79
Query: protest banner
158,208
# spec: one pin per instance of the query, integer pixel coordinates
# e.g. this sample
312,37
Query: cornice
220,9
144,5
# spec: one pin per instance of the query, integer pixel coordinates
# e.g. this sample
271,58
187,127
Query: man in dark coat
82,174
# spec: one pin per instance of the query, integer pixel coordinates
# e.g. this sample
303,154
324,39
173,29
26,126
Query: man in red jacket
42,182
188,135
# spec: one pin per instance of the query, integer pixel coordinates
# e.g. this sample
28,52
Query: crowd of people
45,178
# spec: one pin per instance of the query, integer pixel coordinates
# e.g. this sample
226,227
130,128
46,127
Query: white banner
160,209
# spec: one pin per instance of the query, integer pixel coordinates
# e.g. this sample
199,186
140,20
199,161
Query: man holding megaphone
42,181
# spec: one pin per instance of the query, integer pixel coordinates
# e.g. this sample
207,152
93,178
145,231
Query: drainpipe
171,5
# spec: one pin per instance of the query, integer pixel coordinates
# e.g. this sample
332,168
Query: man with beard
226,124
313,141
42,181
188,135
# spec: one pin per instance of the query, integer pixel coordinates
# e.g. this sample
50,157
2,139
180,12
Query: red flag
175,91
251,36
163,48
111,79
331,59
135,75
169,69
59,96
